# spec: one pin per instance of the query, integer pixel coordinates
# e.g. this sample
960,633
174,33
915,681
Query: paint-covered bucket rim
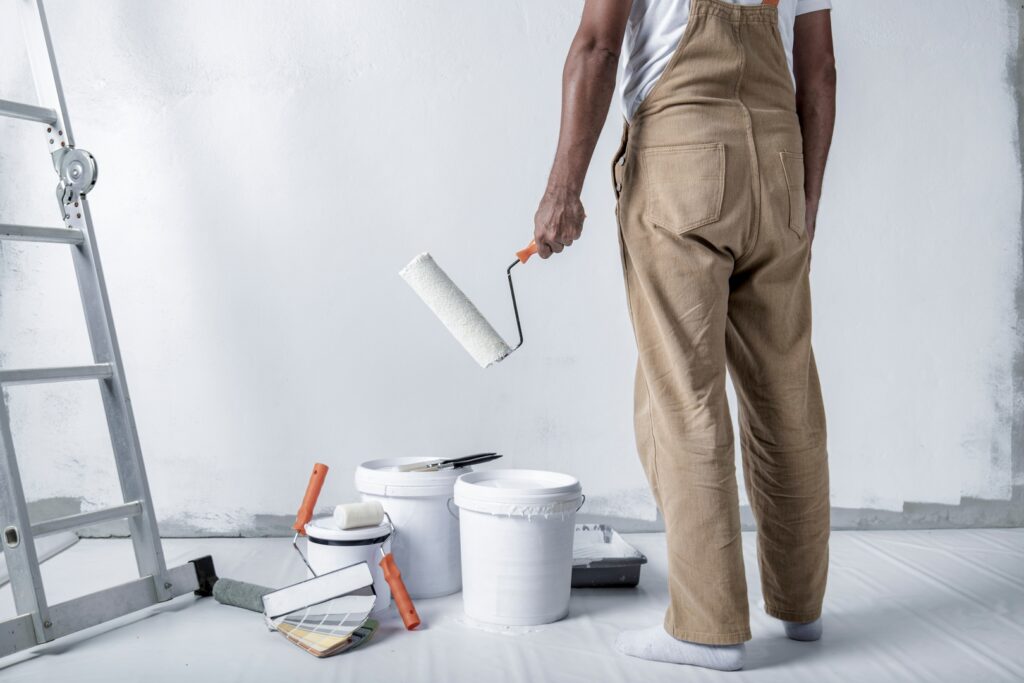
518,492
324,531
382,478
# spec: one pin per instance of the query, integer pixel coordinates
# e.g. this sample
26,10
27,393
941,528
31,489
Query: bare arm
814,65
588,82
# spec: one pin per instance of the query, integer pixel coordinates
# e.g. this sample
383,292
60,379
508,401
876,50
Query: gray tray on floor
601,558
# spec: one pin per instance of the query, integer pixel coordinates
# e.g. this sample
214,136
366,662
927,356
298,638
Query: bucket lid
382,478
324,529
518,492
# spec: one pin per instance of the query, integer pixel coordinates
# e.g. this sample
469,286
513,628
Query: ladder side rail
16,535
16,634
49,90
117,405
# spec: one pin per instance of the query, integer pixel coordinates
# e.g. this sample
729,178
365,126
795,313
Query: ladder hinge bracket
77,170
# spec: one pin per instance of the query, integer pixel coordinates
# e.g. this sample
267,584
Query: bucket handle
583,499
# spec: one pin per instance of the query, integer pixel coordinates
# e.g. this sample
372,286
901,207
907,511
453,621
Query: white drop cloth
901,606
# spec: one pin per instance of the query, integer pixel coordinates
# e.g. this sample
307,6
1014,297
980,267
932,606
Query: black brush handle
463,458
475,460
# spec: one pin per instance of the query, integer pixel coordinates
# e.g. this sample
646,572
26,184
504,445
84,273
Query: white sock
657,645
807,631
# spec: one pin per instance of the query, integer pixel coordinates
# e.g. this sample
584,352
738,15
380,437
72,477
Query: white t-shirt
655,28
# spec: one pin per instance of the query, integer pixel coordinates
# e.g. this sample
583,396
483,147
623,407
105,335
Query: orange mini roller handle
402,600
524,254
305,513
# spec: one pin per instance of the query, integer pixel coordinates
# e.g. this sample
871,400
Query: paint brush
450,463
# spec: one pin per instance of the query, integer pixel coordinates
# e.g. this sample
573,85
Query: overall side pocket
793,165
685,184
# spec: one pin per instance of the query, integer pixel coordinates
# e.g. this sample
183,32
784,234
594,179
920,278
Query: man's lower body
709,181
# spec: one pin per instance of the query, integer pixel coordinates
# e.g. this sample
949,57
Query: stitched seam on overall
629,305
755,172
654,439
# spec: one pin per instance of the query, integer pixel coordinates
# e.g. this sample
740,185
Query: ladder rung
28,233
132,509
65,374
28,112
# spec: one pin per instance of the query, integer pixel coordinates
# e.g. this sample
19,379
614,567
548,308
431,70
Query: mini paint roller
353,515
458,313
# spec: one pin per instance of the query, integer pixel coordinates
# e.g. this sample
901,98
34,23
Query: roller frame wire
515,307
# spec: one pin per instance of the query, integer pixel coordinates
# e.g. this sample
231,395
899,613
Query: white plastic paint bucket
329,548
517,531
426,540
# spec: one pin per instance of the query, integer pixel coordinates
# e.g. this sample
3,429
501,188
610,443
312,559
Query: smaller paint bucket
329,548
426,540
517,533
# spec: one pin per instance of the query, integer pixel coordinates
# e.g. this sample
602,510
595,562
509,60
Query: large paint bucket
517,532
426,540
329,548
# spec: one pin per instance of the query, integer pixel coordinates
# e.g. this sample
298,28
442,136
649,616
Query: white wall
267,167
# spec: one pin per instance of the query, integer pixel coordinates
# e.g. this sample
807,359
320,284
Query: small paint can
517,535
329,548
426,539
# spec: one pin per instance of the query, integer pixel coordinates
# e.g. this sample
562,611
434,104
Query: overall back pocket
793,165
685,184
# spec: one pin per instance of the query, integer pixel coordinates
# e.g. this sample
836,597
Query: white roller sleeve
455,310
355,515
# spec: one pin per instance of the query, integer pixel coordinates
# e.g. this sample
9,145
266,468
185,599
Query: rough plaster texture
267,167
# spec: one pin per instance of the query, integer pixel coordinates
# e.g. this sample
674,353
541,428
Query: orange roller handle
525,253
305,513
402,600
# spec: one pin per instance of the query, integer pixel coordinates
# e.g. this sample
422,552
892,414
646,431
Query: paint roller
371,513
458,313
325,615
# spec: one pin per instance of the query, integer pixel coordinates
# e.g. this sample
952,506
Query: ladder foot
206,575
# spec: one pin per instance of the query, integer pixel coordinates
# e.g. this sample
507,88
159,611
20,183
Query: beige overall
709,180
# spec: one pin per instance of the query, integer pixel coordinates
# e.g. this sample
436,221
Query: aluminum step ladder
37,621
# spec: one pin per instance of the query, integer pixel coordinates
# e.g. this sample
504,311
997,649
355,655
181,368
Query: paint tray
601,558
